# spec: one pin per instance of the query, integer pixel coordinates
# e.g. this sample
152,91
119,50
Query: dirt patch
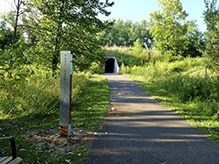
50,140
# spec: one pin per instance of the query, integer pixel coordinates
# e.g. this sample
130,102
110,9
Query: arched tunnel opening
109,67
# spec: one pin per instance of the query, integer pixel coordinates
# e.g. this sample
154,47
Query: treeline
173,34
211,18
125,33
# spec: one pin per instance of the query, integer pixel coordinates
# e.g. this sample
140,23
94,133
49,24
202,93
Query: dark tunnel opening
109,67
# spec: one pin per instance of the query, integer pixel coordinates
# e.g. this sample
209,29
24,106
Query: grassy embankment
29,111
178,83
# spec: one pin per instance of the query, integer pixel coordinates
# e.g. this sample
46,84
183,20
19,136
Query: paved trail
142,131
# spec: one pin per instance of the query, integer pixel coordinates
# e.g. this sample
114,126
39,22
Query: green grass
90,103
92,107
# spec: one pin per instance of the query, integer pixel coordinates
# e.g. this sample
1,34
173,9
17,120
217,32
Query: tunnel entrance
109,67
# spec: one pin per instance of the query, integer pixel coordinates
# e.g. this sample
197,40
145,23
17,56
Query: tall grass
36,95
161,69
183,78
129,57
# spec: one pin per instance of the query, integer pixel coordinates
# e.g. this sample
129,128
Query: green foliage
13,62
63,25
138,48
165,69
95,68
172,33
6,35
125,34
79,84
189,88
89,106
211,18
12,48
30,97
50,27
36,95
125,55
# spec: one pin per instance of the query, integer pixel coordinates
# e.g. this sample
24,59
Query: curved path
139,130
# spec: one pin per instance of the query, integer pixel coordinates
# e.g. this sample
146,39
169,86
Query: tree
125,34
105,37
140,30
6,34
138,47
66,24
211,18
13,47
170,30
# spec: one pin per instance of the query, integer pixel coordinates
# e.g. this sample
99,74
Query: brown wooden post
65,93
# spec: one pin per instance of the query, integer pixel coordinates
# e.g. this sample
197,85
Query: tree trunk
57,45
55,57
14,39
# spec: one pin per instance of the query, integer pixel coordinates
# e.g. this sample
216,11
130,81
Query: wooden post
65,93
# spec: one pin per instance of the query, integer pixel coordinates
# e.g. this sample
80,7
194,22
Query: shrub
191,87
208,108
95,68
138,48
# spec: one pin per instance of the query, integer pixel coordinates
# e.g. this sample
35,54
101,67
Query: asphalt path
140,130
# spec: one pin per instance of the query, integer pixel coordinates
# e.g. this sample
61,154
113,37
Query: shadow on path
141,130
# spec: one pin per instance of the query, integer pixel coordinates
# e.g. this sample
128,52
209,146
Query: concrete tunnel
111,65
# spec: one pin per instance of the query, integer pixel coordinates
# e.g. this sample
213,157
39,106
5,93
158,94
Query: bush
138,48
208,108
191,87
95,68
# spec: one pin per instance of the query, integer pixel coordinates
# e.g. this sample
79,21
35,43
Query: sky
4,5
138,10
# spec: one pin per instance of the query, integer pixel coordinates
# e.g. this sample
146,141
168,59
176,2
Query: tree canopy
211,18
171,32
68,25
55,25
125,34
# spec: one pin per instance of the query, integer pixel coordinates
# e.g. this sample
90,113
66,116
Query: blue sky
137,10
